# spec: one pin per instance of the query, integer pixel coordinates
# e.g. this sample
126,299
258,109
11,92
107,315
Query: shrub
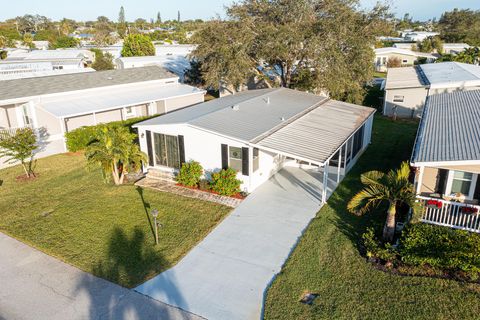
80,138
225,182
423,244
190,174
376,249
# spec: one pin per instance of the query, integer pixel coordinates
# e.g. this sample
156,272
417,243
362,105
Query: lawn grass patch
327,260
68,212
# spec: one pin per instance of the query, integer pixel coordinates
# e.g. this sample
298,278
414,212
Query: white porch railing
451,214
5,132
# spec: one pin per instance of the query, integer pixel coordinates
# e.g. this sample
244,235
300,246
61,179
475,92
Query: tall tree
178,16
115,152
137,45
460,26
319,39
159,18
393,188
122,23
19,147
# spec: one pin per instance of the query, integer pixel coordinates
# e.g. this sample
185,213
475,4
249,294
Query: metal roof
245,115
21,88
434,75
288,121
113,98
450,128
401,51
318,134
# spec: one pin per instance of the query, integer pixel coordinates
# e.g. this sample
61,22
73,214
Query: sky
192,9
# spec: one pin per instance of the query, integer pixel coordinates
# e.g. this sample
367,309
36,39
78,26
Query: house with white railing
446,158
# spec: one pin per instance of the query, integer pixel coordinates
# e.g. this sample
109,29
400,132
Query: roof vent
282,119
109,78
267,100
236,107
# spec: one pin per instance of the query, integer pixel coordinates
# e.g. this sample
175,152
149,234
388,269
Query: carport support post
325,182
339,163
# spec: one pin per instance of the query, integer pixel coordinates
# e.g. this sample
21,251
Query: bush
375,249
423,244
225,182
80,138
190,174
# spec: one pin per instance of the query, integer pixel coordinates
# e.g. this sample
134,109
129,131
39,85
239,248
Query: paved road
36,286
225,276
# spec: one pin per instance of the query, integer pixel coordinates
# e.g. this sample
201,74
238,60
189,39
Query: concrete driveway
34,285
225,276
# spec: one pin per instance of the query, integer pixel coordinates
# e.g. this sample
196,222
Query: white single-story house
446,157
177,64
406,89
419,35
258,132
405,56
55,105
448,48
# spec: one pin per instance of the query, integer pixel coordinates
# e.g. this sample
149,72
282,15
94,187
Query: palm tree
393,187
115,152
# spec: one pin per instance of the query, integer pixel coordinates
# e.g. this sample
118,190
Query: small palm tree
393,187
115,152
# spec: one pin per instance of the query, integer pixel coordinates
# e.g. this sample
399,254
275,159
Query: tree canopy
137,45
296,43
103,61
461,26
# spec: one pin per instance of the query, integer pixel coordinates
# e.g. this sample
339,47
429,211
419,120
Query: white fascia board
446,163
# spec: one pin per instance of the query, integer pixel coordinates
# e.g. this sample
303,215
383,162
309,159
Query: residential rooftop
406,52
434,75
285,120
450,128
22,88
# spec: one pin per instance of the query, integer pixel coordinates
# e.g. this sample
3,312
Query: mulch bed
425,271
235,196
25,178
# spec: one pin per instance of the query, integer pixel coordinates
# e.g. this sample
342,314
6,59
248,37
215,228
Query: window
235,158
357,141
129,111
57,67
255,159
384,60
398,98
27,119
166,150
461,182
404,61
379,61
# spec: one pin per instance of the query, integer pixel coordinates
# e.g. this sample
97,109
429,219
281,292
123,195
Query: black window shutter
149,148
245,161
224,156
181,149
441,184
476,193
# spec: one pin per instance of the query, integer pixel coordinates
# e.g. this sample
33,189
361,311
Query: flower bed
238,195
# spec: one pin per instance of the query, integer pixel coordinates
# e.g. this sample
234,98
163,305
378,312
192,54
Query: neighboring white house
177,64
406,57
406,89
55,105
28,64
415,36
258,132
446,157
448,48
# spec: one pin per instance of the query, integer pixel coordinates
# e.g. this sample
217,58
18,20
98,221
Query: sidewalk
37,286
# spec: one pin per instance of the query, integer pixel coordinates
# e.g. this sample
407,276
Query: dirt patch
25,178
74,154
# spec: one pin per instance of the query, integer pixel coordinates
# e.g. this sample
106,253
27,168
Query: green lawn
377,74
327,260
71,214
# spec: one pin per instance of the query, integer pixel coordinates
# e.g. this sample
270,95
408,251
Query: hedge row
80,138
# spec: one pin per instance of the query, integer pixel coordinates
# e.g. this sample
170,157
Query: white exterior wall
206,148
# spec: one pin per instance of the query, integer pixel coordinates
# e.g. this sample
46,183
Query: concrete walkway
34,285
225,276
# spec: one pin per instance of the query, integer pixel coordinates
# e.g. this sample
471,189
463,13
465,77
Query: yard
327,259
68,212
